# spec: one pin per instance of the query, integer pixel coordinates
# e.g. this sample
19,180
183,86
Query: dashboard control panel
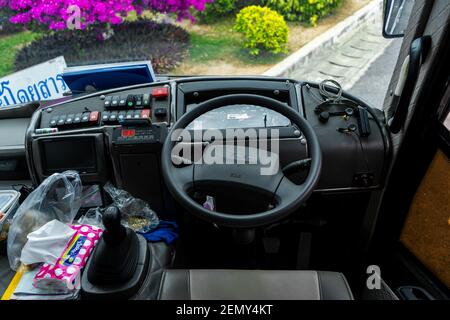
143,106
74,120
130,125
93,118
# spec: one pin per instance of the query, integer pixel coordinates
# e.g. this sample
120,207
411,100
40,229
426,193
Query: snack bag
65,274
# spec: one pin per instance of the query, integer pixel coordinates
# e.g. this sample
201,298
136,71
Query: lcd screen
69,154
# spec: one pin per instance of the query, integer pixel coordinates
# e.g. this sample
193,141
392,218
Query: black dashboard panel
193,91
130,125
350,160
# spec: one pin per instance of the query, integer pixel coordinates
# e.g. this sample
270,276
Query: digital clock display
126,133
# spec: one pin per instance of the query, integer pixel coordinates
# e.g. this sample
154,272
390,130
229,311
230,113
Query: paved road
372,86
362,62
348,58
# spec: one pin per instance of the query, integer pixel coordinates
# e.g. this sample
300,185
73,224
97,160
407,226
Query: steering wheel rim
289,196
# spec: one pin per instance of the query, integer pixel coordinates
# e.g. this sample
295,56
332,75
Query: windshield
39,40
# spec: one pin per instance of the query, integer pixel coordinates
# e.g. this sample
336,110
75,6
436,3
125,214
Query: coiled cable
330,96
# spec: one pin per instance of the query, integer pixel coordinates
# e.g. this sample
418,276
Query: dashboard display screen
69,154
237,117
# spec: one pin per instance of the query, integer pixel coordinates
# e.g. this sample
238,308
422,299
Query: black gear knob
114,232
119,262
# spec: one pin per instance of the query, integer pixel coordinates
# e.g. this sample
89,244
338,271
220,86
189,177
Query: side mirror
395,17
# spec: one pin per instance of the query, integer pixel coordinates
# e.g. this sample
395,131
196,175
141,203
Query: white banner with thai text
40,82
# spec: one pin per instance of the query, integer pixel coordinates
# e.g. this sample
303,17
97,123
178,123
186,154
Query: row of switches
93,117
137,101
114,116
130,101
74,119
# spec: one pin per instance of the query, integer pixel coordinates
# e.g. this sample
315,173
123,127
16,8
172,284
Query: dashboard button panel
133,101
95,117
137,106
114,117
75,120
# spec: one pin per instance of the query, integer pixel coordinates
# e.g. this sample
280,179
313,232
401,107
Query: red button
145,114
160,92
93,117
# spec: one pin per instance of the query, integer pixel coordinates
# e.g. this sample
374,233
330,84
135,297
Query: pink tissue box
65,274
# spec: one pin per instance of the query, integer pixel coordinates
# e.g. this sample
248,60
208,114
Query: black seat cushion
253,285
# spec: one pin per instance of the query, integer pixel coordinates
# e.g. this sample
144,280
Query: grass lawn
217,49
9,45
218,41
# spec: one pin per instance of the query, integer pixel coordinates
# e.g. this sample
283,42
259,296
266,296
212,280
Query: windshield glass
39,40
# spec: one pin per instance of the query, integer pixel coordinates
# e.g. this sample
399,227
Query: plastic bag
136,213
93,217
58,197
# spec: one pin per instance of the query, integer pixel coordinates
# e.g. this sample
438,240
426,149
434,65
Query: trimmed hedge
166,45
263,28
307,11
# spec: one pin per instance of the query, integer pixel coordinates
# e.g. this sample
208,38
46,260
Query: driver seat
177,284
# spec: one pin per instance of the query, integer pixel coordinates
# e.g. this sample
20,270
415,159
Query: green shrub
219,9
263,29
307,11
215,10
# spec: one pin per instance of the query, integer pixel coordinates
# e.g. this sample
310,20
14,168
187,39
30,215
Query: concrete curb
326,39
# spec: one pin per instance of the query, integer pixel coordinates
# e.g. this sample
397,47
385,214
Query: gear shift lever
119,262
114,232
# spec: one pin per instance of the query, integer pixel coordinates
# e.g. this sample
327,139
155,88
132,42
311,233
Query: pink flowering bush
54,13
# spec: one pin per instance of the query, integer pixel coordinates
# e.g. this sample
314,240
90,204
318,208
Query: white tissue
47,243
